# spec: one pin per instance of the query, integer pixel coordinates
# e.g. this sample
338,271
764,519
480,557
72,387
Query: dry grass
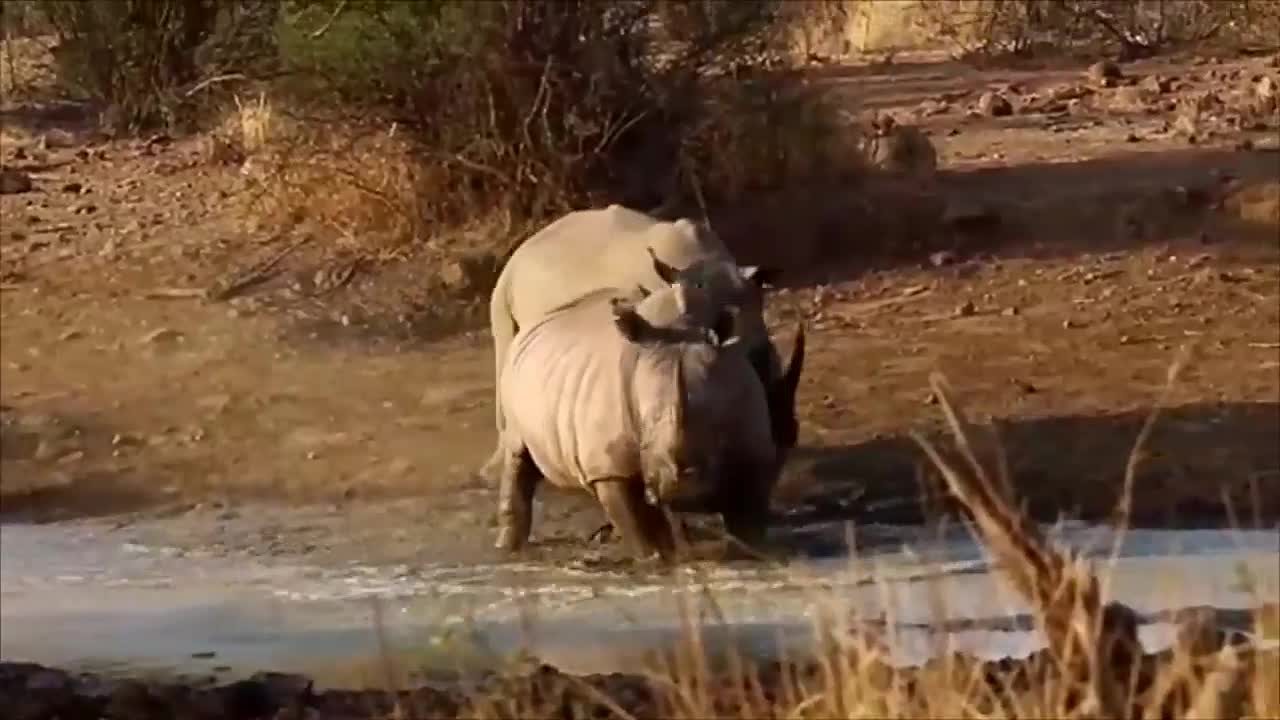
1092,666
358,183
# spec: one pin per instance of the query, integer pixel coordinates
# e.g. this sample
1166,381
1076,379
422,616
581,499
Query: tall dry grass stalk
1093,665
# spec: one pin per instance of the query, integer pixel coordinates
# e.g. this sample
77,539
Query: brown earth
1002,687
1052,270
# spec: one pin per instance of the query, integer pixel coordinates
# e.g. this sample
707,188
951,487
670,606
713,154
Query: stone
994,104
1155,85
162,335
13,182
1104,73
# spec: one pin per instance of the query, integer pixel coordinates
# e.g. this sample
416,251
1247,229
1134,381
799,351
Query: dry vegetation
459,126
1092,666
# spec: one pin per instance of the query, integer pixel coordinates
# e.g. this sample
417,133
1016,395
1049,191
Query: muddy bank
35,692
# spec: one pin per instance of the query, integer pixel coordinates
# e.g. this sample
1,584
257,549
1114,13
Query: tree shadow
61,467
1123,201
1206,465
72,116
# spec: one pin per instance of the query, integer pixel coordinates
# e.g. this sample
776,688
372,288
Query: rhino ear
668,273
760,275
633,327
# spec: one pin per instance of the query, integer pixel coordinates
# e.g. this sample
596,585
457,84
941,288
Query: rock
942,257
1187,126
1265,94
930,108
993,104
1063,93
902,149
464,274
162,335
48,680
74,188
1104,73
13,182
1155,85
1131,98
214,404
55,139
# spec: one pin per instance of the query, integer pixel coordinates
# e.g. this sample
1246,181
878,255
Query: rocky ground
1076,236
32,692
164,357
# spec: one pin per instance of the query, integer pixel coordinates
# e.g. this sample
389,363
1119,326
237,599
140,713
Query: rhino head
677,454
681,454
742,288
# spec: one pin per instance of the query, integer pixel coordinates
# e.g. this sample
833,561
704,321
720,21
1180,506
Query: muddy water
89,595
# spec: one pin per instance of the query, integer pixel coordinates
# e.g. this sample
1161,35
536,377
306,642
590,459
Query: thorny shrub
1135,28
511,112
147,61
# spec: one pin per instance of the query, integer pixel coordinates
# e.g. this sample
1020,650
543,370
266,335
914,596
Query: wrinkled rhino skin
646,417
614,247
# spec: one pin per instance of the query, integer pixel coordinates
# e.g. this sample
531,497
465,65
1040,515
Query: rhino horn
791,381
724,327
668,273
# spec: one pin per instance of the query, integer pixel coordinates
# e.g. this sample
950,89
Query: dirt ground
1052,270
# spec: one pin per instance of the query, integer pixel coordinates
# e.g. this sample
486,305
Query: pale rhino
615,247
644,405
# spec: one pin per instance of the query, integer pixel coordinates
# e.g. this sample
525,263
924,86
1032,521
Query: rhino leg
643,526
515,500
782,414
745,510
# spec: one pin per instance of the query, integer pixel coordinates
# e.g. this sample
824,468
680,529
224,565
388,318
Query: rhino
616,247
648,405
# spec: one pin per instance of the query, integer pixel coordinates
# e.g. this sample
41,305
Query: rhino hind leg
515,500
644,527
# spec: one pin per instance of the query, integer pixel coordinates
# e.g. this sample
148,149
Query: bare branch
329,23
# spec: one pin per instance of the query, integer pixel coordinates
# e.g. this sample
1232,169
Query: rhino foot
515,500
644,527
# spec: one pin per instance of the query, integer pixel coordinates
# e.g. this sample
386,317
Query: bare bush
145,61
1133,28
522,110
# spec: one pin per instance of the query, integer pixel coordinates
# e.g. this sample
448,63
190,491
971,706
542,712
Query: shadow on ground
1044,210
1207,465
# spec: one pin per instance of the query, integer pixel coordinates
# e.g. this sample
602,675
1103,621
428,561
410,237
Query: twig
328,23
175,293
210,81
1125,509
255,275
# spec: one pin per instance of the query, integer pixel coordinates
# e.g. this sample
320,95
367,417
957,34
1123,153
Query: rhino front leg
746,509
643,526
515,500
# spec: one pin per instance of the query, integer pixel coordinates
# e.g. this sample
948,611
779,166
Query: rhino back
567,392
590,249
